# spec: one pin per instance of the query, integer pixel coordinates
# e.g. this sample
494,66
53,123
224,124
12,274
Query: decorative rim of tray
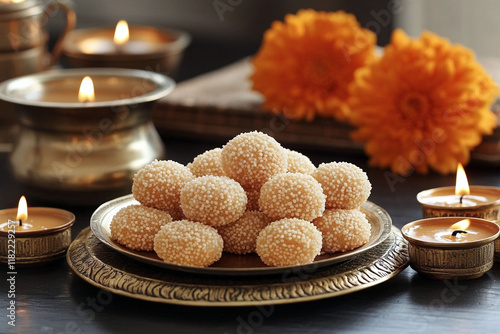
104,268
232,264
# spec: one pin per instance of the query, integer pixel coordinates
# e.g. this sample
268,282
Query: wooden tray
220,105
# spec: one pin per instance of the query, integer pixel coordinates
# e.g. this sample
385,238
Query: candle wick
461,199
454,233
20,222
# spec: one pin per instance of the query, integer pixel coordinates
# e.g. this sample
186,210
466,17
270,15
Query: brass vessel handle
52,7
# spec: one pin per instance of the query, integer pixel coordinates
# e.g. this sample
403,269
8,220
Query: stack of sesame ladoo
252,195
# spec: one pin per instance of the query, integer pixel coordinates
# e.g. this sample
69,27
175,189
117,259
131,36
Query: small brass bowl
448,260
37,247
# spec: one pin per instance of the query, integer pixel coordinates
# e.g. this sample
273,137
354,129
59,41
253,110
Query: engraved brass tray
104,268
232,264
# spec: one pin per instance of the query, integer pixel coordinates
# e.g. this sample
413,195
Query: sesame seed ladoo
299,163
188,243
345,185
292,195
251,158
240,237
207,163
213,200
343,230
159,185
226,199
135,226
289,242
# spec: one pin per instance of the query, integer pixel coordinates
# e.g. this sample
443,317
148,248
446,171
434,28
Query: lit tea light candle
139,47
122,43
86,88
449,247
38,235
36,220
437,230
461,200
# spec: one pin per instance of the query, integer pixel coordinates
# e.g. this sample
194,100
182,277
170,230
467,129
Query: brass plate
231,264
104,268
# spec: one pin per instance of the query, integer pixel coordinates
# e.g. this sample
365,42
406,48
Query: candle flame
462,185
121,33
461,225
22,209
86,93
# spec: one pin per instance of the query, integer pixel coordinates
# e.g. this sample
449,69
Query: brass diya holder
84,152
489,211
38,247
462,260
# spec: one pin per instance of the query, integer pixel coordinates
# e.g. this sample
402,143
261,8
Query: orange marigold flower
305,63
424,104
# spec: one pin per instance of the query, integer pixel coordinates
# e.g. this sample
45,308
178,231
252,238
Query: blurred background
223,31
226,30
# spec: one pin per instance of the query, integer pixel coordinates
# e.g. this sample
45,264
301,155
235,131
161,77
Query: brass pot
84,152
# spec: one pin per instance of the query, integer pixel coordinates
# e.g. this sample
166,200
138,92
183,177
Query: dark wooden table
53,299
